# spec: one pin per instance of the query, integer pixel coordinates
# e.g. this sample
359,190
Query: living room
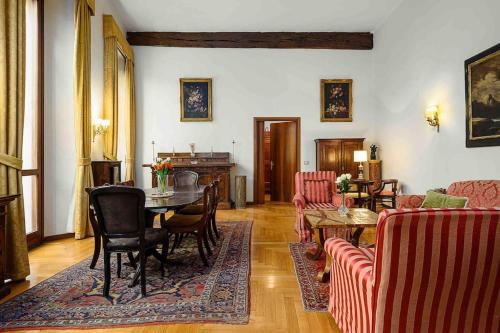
173,100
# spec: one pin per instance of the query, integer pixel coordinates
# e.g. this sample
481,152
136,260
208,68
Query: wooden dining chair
180,224
185,178
120,216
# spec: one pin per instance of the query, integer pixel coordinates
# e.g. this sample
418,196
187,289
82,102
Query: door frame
256,166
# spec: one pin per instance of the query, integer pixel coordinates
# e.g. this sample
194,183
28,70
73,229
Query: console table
209,166
4,201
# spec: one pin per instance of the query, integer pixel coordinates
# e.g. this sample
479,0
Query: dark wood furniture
120,216
106,172
185,178
267,161
337,155
382,195
361,193
209,166
180,224
4,202
319,219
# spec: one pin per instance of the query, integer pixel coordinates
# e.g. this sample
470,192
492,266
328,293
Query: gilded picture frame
336,100
196,99
482,98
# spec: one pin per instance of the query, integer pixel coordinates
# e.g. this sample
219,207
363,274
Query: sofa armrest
409,201
337,200
299,201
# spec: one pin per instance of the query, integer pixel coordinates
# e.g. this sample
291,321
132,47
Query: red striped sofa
303,200
430,271
481,193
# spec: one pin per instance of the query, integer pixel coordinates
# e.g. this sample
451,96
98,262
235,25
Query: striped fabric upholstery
300,201
433,271
317,191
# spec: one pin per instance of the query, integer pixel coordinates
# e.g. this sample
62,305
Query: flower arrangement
162,167
343,184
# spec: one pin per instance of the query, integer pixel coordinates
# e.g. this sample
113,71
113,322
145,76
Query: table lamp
360,156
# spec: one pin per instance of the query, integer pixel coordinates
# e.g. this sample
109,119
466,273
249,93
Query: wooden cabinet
106,172
337,155
209,166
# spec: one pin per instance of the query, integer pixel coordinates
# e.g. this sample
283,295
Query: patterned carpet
314,293
189,292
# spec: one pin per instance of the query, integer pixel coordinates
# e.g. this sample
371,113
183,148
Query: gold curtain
12,81
111,97
130,122
83,126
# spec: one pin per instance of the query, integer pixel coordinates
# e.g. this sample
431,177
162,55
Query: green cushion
438,200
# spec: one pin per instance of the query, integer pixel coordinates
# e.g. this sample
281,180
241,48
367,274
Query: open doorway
276,158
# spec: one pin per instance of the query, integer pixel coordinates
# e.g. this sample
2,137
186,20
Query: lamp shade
360,156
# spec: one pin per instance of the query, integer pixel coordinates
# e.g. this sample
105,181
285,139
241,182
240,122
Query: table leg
355,236
320,241
324,275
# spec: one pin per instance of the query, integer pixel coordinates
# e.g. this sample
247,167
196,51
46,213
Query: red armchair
431,271
481,193
303,200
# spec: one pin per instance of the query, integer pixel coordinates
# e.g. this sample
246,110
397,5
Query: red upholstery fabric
301,202
317,191
434,270
481,193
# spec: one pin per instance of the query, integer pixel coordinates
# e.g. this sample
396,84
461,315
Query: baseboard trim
58,237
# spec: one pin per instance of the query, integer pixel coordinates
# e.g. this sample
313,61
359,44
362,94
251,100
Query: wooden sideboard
337,155
209,166
106,172
4,201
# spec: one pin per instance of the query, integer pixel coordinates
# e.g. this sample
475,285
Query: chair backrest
301,177
436,270
216,184
129,183
185,178
119,211
481,193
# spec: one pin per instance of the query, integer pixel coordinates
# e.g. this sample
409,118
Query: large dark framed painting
196,99
482,98
336,100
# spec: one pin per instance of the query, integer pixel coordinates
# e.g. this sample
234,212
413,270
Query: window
33,124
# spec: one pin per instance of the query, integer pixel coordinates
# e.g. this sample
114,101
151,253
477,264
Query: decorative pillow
317,191
438,200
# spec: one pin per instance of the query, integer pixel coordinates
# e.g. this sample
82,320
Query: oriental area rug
314,293
189,292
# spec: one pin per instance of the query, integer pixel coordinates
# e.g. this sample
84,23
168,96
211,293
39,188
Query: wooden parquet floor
275,300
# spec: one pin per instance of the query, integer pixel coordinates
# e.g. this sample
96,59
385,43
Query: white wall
246,84
419,61
59,149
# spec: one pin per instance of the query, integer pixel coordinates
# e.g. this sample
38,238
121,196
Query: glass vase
343,210
162,184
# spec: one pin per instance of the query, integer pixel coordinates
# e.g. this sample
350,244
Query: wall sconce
99,127
432,116
360,156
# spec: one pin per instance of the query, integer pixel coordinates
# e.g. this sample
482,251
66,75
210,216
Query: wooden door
267,161
283,161
329,155
259,188
348,148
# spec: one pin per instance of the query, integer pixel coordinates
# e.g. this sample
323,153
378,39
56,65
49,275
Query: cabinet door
348,148
329,156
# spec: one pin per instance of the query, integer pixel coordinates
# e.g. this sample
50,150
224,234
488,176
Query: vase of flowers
343,184
162,167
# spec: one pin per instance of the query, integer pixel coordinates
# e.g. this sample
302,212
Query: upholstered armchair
481,193
430,271
315,190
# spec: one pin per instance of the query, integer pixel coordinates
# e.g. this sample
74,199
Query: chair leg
107,273
131,259
205,240
97,251
118,264
393,202
143,272
176,240
214,227
199,238
164,253
210,233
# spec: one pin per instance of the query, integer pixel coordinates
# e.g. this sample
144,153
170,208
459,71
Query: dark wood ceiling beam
264,40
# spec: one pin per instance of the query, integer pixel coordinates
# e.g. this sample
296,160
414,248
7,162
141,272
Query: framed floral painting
196,99
482,99
336,100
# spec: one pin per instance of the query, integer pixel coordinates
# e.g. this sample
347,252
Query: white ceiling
253,15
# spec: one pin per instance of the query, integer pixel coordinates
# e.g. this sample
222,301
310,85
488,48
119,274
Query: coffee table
319,219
